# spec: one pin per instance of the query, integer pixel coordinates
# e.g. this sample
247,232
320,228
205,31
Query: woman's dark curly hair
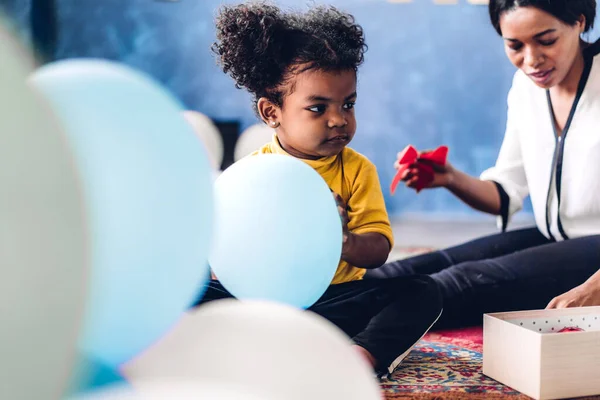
261,46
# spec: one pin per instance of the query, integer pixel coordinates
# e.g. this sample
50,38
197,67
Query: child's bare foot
364,353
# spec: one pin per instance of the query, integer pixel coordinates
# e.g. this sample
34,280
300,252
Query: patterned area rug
446,365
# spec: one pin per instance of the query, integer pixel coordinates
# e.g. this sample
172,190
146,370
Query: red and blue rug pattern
446,365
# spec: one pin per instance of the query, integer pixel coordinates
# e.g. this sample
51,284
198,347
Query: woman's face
541,45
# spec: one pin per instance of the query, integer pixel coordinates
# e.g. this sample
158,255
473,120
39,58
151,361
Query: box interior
589,322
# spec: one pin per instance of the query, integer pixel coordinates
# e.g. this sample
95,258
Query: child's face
317,118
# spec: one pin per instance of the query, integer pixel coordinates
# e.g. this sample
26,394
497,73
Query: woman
551,151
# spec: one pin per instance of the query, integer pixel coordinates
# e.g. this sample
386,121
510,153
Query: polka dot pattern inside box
590,322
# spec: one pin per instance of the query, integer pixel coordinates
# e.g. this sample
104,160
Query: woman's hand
584,295
423,174
425,170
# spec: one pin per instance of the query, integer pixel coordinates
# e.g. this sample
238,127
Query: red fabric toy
410,155
570,329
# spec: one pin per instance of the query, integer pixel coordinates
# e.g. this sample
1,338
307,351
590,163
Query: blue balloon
90,375
148,191
278,234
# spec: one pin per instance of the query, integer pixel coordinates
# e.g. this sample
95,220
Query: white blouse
561,174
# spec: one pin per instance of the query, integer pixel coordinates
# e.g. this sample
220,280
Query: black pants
386,317
517,270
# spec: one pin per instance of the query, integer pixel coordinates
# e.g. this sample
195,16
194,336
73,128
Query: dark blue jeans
516,270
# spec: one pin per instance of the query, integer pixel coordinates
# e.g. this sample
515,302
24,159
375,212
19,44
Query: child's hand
367,250
343,211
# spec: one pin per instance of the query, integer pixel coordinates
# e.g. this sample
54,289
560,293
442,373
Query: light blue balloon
90,375
278,234
148,192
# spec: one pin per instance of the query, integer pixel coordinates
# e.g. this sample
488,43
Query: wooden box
524,350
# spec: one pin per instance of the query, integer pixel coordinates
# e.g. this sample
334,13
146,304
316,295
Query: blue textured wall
434,74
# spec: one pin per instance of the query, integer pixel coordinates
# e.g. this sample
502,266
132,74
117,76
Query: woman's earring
274,124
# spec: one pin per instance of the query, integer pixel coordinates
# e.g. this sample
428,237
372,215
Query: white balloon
252,139
171,390
271,350
209,134
43,253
